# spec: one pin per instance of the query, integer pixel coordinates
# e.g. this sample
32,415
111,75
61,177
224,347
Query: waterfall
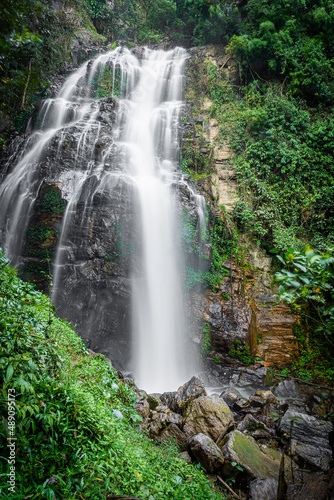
110,139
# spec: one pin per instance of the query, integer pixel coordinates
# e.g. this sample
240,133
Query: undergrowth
75,422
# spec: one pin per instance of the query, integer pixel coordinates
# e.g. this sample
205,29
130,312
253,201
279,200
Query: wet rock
174,418
241,404
209,416
187,393
206,452
260,398
230,398
173,432
167,398
286,389
309,437
254,378
143,408
162,409
158,423
256,460
153,401
263,489
253,426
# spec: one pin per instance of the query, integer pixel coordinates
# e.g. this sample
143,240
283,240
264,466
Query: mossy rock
257,461
208,415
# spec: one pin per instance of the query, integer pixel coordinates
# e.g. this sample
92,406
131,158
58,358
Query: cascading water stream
139,157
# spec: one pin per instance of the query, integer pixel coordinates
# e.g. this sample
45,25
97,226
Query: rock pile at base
245,438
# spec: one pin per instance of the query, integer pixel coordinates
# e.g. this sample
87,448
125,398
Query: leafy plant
74,417
206,340
307,283
241,352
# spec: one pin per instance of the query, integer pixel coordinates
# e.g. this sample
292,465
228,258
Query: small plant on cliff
206,340
241,352
52,201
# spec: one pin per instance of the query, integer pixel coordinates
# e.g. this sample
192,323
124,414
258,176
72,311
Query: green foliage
108,83
40,232
30,51
284,162
221,247
290,41
307,284
208,22
206,340
241,352
74,417
52,201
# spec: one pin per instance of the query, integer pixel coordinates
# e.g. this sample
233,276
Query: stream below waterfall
109,142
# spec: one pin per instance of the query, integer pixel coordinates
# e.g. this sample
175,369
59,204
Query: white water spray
146,135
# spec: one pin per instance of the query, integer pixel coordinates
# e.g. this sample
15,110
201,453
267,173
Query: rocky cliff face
244,309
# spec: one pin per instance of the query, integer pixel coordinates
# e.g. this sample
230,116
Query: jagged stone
286,389
263,489
158,423
253,426
260,398
167,398
174,418
209,416
143,408
153,401
309,437
187,393
205,450
230,397
241,404
254,378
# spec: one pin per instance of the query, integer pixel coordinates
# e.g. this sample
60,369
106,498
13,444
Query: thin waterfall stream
110,142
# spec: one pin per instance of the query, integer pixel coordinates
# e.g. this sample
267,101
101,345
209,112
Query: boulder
205,450
174,418
158,423
252,426
260,398
209,416
258,461
167,398
187,393
263,489
174,433
241,404
254,378
309,437
286,389
143,408
230,397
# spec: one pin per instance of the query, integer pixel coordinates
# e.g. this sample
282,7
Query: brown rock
187,393
209,416
206,452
